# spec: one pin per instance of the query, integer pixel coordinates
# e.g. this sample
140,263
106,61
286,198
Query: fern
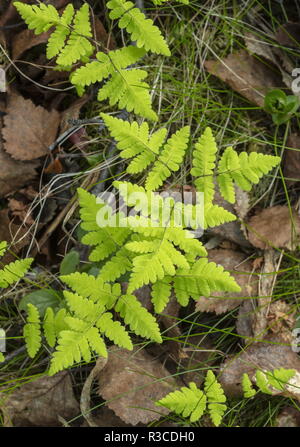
141,29
14,271
32,331
243,169
268,382
70,42
192,402
188,402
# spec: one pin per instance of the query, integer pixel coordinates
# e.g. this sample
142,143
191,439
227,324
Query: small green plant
281,106
191,402
72,42
164,255
12,273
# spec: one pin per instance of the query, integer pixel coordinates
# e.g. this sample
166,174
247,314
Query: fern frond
160,294
204,158
94,289
215,398
140,321
114,331
14,271
215,215
74,345
262,382
169,160
127,89
78,45
3,247
49,327
2,358
188,402
134,141
142,30
32,330
38,18
56,41
106,65
247,386
202,278
279,378
243,169
83,308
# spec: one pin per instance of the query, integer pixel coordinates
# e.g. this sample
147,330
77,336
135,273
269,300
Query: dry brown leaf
246,74
273,227
41,402
134,379
291,161
25,40
220,301
271,354
29,129
289,417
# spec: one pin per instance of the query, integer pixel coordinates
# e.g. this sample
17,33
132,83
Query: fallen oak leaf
29,129
272,227
131,382
246,75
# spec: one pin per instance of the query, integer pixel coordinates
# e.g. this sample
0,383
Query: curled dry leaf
40,403
25,40
240,269
271,354
134,379
27,139
273,227
246,75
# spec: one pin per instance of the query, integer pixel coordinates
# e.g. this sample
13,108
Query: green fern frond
78,45
243,169
127,89
32,330
188,402
204,159
160,294
215,398
215,215
142,30
75,345
49,327
106,65
262,382
83,308
57,39
134,141
94,289
114,331
2,358
38,18
117,265
247,386
279,378
3,247
140,321
14,271
169,160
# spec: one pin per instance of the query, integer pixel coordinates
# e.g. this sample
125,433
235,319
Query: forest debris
291,161
288,417
134,379
270,354
264,298
40,402
288,34
272,227
25,40
245,320
246,75
28,139
233,261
